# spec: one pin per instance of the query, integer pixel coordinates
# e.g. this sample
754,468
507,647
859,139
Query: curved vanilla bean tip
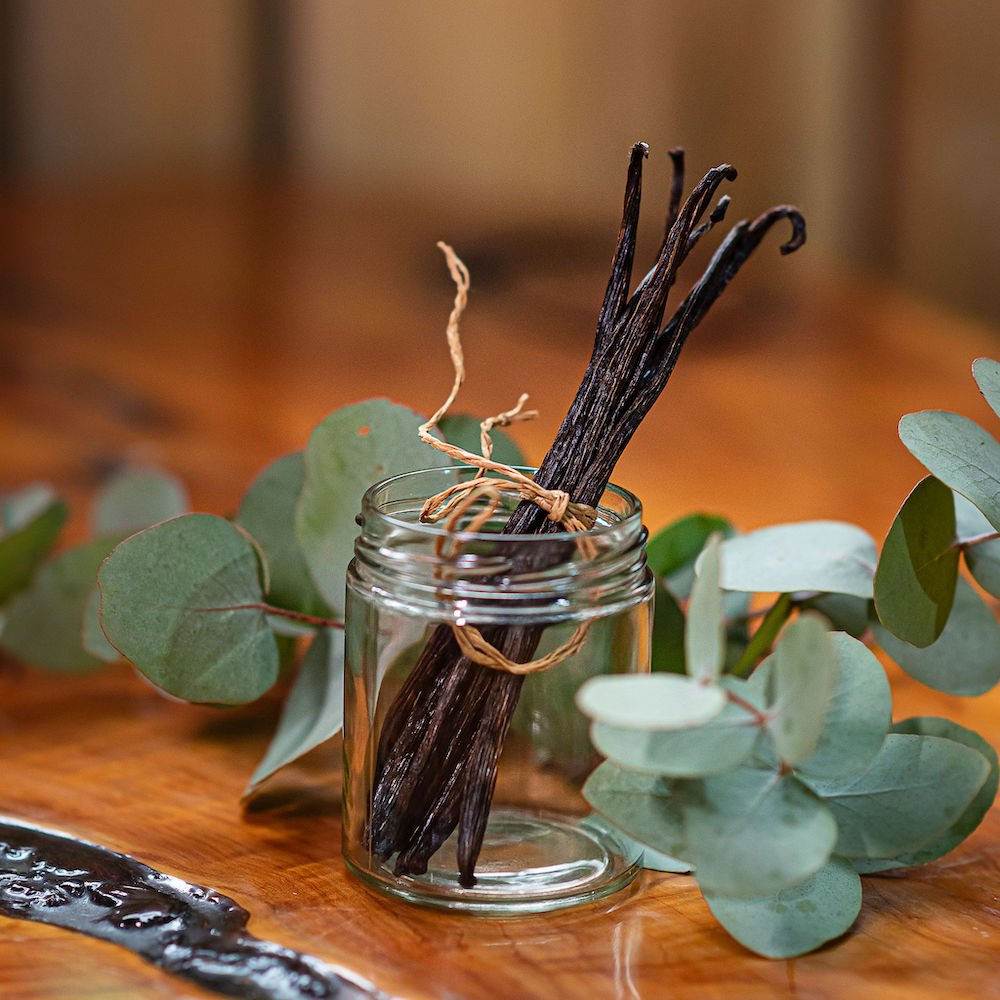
676,188
767,219
621,264
721,207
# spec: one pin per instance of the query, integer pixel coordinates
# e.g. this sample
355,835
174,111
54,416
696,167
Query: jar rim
371,508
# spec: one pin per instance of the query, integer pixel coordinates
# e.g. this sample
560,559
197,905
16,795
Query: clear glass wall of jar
542,849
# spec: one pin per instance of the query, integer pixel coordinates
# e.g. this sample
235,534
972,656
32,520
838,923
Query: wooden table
207,328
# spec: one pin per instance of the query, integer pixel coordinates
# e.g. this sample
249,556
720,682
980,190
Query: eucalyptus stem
763,639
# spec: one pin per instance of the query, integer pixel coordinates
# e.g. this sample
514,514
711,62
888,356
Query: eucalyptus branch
271,609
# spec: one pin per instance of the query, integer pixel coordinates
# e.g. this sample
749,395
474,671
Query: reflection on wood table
207,329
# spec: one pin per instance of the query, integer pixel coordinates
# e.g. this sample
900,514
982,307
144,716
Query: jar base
530,862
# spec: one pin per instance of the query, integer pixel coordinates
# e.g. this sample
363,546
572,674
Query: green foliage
802,683
669,624
676,547
314,709
827,556
650,701
915,789
982,558
44,622
965,659
30,522
134,499
973,815
960,453
462,430
918,568
348,452
795,920
705,638
268,514
986,372
182,600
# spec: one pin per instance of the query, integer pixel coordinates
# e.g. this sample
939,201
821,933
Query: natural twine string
452,505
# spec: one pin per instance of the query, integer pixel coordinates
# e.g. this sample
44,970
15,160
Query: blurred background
881,118
218,217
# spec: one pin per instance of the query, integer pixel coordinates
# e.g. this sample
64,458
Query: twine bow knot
452,505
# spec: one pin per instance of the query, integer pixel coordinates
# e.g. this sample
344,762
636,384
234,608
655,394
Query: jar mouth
389,500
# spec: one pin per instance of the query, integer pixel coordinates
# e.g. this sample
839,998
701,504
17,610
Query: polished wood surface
208,328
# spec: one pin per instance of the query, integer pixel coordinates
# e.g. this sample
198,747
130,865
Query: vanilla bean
444,733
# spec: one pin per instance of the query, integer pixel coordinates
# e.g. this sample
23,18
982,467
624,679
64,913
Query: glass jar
409,584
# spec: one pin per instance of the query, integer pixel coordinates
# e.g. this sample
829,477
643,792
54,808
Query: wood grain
208,328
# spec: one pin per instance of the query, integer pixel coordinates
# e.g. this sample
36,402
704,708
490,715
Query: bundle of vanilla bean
444,732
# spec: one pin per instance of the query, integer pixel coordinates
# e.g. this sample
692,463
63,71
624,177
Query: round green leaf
181,601
705,636
650,701
639,804
858,715
44,622
314,709
95,641
828,556
982,559
974,813
30,522
795,920
918,568
652,859
913,791
752,832
677,546
965,659
268,513
135,499
844,613
960,453
351,450
462,430
667,651
804,675
986,372
712,748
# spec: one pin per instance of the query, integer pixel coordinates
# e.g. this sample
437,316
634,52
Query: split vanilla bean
444,732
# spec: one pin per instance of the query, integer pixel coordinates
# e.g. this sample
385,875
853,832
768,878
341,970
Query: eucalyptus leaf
858,715
828,556
651,859
705,636
752,832
965,660
986,372
678,545
960,453
95,641
268,513
974,812
650,701
313,710
913,791
462,430
983,559
804,676
669,623
44,622
761,642
795,920
848,614
918,568
349,451
30,522
712,748
134,499
639,804
182,601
